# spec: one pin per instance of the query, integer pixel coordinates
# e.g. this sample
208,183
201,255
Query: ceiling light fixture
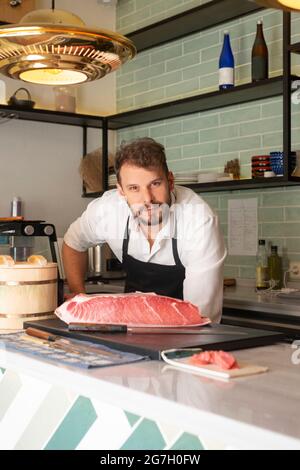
287,5
54,47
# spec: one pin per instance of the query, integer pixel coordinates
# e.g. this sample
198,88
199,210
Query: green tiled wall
206,141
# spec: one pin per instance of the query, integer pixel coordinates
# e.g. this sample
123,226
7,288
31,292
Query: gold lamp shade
54,47
286,5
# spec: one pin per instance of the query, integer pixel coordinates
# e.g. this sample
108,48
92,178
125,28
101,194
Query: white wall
39,161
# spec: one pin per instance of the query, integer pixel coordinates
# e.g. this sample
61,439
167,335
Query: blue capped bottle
226,64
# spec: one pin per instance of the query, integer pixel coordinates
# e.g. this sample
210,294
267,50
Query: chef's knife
111,328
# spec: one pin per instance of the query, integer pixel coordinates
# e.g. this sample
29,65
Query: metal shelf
199,103
243,184
295,48
232,185
192,21
55,117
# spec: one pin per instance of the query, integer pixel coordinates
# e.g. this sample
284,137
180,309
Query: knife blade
112,328
180,331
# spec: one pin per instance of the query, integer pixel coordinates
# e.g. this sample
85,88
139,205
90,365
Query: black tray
228,338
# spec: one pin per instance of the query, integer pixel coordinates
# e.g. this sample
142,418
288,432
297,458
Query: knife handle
40,334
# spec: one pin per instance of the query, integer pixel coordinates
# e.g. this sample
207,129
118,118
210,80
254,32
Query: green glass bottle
275,268
262,270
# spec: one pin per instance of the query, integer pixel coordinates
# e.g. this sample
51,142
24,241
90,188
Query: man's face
147,192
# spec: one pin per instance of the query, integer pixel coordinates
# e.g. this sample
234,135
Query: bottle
65,99
226,64
2,92
260,56
262,270
275,268
16,207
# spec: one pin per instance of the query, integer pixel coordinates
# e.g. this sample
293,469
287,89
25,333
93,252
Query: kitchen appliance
103,264
28,290
222,337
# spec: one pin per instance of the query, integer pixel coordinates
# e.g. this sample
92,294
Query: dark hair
143,152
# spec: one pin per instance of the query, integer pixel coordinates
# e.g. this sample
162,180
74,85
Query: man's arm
75,266
205,258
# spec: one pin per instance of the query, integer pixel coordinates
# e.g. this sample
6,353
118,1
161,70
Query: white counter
253,412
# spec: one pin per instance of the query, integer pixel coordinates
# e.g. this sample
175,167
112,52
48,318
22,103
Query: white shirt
200,244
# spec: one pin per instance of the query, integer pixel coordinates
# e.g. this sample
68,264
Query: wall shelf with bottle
199,103
197,19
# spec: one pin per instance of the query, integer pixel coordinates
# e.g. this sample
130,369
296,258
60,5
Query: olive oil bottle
262,270
275,268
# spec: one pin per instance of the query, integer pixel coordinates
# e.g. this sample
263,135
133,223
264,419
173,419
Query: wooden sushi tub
27,292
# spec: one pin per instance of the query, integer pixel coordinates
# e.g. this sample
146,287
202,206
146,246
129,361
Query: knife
67,345
111,328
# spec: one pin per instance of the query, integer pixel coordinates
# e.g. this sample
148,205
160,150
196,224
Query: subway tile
261,126
247,272
148,98
200,122
166,53
274,108
231,271
184,165
182,62
182,139
288,229
172,128
241,143
199,70
181,89
273,140
218,133
266,214
174,153
293,245
200,149
236,115
150,72
135,88
281,198
202,42
292,214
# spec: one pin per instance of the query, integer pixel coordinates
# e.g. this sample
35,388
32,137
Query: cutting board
224,337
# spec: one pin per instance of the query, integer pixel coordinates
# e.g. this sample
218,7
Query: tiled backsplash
208,140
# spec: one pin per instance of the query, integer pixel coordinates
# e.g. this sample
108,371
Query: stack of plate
112,180
260,164
186,178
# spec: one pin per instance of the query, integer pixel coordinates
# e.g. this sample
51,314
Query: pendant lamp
286,5
54,47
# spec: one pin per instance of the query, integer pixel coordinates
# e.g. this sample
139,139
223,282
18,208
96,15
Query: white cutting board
214,371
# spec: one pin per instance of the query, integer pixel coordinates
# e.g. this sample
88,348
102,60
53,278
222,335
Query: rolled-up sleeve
204,260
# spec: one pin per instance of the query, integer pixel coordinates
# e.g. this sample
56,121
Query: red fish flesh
135,309
222,359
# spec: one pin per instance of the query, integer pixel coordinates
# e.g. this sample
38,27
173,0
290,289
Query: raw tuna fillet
130,309
222,359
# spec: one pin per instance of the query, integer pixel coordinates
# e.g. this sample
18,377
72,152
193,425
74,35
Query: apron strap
174,244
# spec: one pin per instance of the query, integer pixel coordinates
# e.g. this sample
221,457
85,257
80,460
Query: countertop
258,412
245,297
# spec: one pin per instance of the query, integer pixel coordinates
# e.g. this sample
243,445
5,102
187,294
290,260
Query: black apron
152,277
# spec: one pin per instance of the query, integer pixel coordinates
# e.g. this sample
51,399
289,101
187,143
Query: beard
151,215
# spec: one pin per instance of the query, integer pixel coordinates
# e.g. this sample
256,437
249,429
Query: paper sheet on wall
242,226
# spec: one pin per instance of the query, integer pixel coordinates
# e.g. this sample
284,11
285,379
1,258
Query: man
166,236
